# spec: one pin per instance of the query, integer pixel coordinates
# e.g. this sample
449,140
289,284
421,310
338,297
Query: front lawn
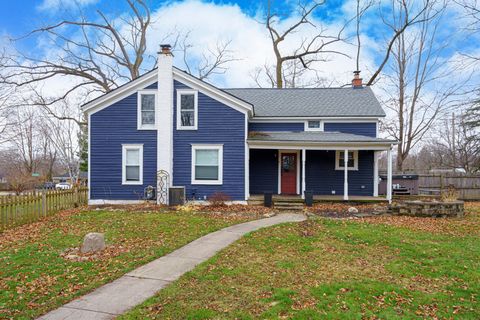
34,278
336,269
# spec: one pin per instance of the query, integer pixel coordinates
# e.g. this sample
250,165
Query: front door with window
288,173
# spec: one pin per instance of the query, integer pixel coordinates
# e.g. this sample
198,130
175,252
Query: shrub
450,195
218,199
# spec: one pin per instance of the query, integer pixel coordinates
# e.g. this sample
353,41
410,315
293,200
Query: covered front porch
292,163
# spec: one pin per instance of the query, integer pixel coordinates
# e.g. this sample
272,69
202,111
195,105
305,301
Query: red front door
289,173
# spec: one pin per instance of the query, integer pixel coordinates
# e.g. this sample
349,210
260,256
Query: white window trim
141,126
314,129
124,163
181,92
355,160
218,147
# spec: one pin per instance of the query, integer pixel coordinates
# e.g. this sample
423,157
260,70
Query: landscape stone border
419,208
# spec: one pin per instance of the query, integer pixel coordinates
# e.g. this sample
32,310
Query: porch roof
309,137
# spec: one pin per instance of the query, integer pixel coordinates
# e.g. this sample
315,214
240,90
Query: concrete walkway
117,297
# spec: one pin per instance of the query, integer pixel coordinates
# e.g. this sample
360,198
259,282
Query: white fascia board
213,92
120,93
303,119
318,146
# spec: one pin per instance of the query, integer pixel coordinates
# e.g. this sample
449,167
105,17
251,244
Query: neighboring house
82,178
239,142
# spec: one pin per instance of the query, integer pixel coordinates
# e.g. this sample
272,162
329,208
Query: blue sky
212,20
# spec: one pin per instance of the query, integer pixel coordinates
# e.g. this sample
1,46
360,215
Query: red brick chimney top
165,49
357,81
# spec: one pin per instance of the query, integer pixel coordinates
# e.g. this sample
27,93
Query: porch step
295,200
288,206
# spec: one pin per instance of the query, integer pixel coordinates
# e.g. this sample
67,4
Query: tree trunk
400,158
278,74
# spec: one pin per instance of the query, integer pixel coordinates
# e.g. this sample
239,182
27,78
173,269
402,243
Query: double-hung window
132,164
352,161
146,110
207,164
187,110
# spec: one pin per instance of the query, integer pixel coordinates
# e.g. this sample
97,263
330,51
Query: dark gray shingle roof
306,136
318,102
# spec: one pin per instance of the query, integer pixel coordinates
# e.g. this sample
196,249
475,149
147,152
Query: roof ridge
246,88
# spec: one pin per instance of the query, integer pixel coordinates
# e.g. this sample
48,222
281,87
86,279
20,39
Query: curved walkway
140,284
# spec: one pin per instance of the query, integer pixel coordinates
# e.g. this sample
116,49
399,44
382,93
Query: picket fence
27,208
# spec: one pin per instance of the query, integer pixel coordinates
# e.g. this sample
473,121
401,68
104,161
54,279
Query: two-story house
239,142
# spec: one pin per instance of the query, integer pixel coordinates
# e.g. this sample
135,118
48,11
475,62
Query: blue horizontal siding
217,124
276,126
361,128
322,178
152,86
109,129
263,171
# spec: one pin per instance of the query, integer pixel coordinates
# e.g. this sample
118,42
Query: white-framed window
132,163
207,164
187,110
313,125
146,106
352,160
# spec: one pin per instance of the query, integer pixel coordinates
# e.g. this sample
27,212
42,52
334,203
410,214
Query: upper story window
313,125
146,110
352,162
187,110
132,164
207,164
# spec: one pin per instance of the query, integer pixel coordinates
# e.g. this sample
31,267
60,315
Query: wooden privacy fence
467,186
18,210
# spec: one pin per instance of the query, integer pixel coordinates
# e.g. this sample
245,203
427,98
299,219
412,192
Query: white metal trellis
163,178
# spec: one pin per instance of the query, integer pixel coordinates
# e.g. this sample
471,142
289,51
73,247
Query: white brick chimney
164,114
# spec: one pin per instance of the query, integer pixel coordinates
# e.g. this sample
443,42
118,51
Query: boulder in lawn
93,242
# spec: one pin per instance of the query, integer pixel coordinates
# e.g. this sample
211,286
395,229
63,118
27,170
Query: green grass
331,269
34,278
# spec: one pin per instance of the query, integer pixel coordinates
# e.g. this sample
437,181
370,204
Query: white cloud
57,5
209,23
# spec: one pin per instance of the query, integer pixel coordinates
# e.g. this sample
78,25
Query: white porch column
389,174
375,173
345,184
304,159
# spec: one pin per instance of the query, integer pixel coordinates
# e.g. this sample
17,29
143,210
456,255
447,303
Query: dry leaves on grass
34,231
470,225
227,211
340,210
111,251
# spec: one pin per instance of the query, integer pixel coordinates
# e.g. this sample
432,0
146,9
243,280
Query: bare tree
361,9
457,144
405,14
472,13
415,96
97,55
63,137
213,61
24,139
310,50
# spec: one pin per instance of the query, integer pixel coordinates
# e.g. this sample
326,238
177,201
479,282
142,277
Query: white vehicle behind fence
63,186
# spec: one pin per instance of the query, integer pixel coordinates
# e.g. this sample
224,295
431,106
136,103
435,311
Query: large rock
93,242
352,210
